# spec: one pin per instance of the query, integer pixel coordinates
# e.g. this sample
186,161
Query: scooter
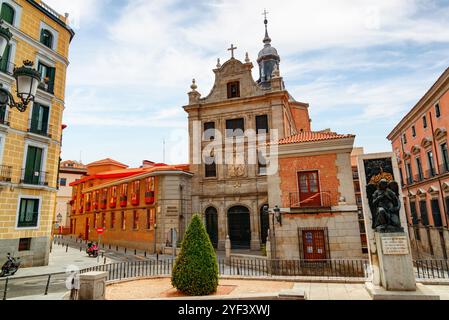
92,250
10,267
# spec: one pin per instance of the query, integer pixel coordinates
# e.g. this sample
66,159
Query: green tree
195,272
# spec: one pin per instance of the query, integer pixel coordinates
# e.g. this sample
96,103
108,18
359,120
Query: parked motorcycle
92,250
10,267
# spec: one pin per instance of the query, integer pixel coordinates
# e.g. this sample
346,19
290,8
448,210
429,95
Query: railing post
48,284
6,289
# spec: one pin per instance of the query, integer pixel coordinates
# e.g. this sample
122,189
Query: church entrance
212,225
239,227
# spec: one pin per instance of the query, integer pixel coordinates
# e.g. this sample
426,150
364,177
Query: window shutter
5,59
7,13
51,79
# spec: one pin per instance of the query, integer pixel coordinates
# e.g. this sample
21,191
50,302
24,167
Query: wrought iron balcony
318,200
40,128
37,178
5,173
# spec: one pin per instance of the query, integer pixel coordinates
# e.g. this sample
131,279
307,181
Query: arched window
47,38
7,13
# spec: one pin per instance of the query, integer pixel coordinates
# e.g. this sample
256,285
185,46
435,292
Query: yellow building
30,141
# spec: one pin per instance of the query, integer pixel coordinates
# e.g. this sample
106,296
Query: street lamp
27,78
277,214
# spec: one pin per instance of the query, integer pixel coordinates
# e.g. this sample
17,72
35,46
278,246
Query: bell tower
268,58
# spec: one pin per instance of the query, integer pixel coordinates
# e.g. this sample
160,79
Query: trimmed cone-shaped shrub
195,272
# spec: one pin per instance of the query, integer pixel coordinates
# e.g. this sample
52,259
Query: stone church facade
232,196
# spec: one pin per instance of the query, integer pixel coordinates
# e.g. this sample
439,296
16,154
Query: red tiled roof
125,173
313,136
106,162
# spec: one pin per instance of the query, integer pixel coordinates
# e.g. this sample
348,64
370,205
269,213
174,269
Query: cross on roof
265,13
232,48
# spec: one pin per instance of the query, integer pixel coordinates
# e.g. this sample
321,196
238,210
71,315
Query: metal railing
431,269
5,173
50,9
38,178
318,200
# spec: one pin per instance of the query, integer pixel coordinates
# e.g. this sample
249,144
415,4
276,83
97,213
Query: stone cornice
316,147
437,89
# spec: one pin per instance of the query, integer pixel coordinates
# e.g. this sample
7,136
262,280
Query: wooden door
309,189
314,245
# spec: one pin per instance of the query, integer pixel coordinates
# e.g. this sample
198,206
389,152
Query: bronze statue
385,206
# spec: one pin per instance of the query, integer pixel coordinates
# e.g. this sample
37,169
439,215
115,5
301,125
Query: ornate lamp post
27,78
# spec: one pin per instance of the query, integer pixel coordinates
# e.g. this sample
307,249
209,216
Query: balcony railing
149,197
39,128
50,9
5,173
37,178
317,200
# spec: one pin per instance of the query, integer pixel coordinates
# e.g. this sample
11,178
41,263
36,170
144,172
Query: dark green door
33,166
212,225
239,227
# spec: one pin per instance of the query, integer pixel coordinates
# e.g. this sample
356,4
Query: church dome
268,59
268,51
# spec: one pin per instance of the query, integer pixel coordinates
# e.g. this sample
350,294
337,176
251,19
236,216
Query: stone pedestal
93,286
395,261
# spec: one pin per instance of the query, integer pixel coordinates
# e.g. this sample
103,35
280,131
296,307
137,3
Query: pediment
433,189
407,155
233,70
440,133
416,149
446,186
426,142
420,192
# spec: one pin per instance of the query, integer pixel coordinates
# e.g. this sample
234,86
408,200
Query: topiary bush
195,272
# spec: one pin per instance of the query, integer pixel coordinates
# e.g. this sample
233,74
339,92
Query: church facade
252,149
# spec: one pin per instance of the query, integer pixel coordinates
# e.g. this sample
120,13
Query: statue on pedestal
385,206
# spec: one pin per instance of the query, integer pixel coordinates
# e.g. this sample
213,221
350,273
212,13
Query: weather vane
265,13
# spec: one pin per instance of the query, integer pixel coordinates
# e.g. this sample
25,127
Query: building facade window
124,195
445,157
123,221
33,166
28,213
437,110
48,77
235,127
424,121
210,168
404,138
419,167
233,89
25,244
423,212
150,190
408,169
150,218
113,199
112,220
262,164
262,124
5,63
47,38
436,214
413,131
413,214
209,131
39,119
135,192
135,220
63,182
431,164
7,13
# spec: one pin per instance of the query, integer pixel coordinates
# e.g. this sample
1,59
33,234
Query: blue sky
361,65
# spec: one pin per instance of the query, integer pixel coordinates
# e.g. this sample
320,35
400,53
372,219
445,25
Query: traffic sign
100,230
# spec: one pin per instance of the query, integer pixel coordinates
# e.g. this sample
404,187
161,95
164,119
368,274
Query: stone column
93,286
255,238
222,227
228,250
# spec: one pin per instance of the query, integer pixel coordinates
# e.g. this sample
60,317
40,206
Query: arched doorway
212,225
264,224
239,227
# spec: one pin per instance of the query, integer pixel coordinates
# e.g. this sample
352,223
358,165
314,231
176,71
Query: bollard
145,254
80,249
157,256
135,252
102,254
116,248
109,247
104,260
125,250
67,248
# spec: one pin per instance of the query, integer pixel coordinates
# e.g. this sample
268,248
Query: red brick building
137,207
420,143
